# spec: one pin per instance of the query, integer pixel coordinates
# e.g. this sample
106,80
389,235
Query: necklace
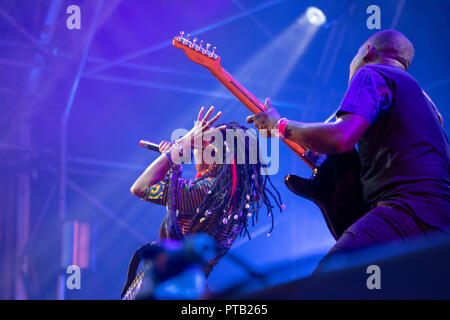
202,173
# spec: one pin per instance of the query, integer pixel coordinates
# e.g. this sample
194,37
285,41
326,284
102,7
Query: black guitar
335,186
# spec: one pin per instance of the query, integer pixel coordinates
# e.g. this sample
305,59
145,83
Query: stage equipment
417,270
171,270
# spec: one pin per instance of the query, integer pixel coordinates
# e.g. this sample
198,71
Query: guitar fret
237,87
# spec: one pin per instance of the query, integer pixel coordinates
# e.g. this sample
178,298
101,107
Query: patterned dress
189,196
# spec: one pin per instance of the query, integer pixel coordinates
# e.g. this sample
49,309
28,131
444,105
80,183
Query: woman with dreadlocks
222,197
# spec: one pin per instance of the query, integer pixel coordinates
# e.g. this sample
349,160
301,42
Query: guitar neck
255,106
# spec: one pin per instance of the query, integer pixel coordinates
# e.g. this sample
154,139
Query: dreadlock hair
237,194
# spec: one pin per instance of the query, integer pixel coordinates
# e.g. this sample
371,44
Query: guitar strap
169,226
169,230
147,251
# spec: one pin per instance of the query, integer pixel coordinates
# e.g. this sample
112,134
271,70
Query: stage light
315,16
271,66
266,72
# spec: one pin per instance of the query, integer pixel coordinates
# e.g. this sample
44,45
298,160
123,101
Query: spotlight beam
106,210
168,43
254,20
206,93
25,33
271,66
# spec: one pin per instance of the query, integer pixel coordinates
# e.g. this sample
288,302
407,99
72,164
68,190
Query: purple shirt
404,154
368,95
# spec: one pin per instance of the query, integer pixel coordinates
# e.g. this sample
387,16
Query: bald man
403,148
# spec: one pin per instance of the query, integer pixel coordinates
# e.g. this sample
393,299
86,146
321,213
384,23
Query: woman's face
200,155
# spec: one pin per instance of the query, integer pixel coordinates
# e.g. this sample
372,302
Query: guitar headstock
195,51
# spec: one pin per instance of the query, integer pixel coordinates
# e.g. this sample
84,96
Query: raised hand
202,127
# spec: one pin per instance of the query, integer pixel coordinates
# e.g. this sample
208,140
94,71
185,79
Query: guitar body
335,189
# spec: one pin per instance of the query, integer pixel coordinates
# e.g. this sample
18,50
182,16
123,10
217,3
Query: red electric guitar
335,184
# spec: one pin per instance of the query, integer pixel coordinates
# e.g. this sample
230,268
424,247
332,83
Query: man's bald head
385,47
393,44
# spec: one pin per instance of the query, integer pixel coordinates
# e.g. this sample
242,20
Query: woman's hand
165,146
158,169
202,128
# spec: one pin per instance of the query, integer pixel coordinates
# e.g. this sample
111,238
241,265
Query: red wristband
282,127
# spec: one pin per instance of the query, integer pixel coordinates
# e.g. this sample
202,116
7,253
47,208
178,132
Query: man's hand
266,120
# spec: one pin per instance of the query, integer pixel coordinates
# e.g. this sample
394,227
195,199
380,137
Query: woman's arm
158,169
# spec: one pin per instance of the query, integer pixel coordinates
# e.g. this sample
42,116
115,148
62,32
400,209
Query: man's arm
368,97
332,137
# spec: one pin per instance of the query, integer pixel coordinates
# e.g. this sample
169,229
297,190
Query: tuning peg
207,47
212,52
193,42
180,37
186,39
200,46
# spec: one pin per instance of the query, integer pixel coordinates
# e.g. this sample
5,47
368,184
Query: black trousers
383,223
